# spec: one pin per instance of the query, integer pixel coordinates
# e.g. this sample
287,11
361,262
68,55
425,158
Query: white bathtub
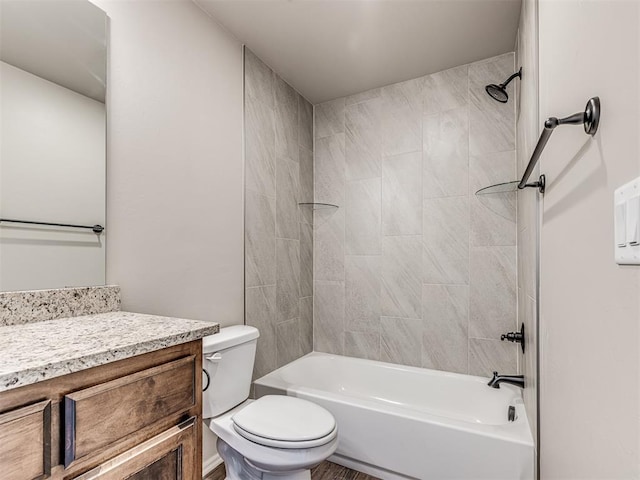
398,422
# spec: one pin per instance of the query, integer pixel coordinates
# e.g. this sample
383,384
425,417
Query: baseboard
210,464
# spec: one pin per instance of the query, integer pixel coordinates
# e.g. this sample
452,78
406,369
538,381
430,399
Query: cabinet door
25,442
172,455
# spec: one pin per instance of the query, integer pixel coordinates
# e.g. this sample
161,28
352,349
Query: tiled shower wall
278,233
413,267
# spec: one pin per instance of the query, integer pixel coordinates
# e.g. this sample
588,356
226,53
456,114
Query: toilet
274,437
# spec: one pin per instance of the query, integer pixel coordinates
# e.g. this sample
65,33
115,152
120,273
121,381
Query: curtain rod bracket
590,119
540,184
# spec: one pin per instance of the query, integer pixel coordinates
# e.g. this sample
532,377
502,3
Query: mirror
53,65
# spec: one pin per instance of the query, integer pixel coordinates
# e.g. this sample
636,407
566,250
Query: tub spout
512,379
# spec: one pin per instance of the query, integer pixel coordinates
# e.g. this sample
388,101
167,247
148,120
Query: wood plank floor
324,471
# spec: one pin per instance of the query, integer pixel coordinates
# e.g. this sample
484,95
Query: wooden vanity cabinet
138,418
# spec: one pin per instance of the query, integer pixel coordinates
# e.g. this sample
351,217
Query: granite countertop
34,352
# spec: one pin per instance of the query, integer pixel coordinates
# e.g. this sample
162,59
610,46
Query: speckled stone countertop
34,352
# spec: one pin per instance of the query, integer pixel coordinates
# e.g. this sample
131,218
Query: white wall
175,170
52,169
590,307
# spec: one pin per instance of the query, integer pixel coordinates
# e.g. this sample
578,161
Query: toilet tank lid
229,337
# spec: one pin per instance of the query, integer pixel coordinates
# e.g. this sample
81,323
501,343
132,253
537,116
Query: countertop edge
36,374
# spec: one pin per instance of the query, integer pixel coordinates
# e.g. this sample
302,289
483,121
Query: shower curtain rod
590,118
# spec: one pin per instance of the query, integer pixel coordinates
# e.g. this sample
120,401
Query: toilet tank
227,362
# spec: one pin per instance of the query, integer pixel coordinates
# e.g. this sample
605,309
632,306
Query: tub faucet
512,379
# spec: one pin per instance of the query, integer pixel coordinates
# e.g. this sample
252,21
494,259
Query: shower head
499,92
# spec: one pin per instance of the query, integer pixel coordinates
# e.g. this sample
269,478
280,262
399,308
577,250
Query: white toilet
274,437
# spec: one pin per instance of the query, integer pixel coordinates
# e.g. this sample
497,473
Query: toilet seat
270,442
285,422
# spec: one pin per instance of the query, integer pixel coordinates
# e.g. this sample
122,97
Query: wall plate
627,223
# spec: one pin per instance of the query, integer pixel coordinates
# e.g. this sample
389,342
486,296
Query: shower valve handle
512,337
516,337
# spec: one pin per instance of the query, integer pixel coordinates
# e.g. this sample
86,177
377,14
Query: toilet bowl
274,437
272,454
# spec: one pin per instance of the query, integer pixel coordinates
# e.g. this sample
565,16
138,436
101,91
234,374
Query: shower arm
514,75
590,118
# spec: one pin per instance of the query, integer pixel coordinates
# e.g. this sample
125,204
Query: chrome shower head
499,92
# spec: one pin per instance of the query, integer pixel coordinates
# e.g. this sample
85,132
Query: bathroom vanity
107,396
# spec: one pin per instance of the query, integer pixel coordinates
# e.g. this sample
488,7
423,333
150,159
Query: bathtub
398,422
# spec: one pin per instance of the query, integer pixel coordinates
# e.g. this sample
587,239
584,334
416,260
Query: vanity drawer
25,442
99,416
171,455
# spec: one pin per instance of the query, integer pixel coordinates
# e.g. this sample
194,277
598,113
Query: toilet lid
285,422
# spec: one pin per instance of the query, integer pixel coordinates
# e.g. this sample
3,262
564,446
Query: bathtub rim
517,431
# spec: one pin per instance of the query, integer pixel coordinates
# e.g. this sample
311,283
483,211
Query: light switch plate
626,201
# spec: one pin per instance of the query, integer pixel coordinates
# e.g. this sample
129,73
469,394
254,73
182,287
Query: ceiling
63,41
331,48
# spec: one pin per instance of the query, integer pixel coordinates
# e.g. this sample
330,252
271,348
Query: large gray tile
306,260
401,341
446,90
528,200
489,132
328,318
362,293
287,194
329,118
446,153
445,312
492,299
288,278
362,345
260,240
288,341
493,216
520,266
363,96
260,142
306,324
527,261
526,139
306,184
529,360
446,240
487,356
401,287
363,217
259,78
260,312
328,245
305,127
521,307
491,123
363,139
402,117
286,120
329,170
402,194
